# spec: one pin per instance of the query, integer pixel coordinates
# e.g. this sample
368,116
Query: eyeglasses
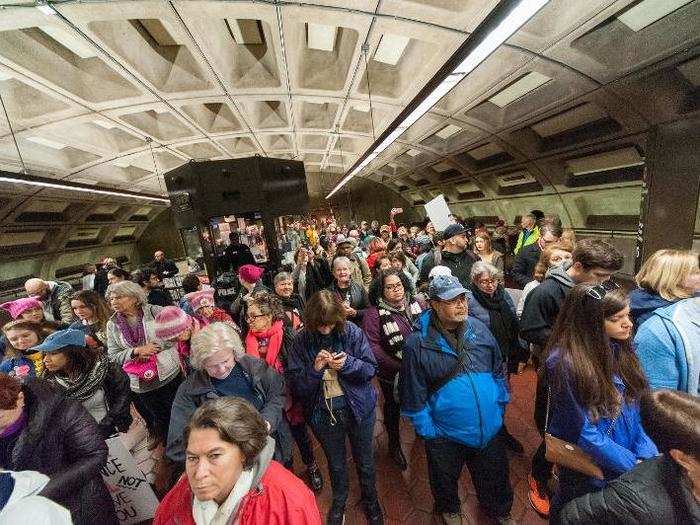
599,291
460,299
488,282
250,318
393,287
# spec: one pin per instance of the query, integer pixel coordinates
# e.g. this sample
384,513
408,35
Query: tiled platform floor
405,496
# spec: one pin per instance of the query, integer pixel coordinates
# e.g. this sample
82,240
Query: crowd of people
232,377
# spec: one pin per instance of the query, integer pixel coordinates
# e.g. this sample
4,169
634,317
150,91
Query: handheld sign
439,213
133,497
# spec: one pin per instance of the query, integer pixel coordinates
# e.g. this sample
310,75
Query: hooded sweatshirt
543,304
643,303
20,502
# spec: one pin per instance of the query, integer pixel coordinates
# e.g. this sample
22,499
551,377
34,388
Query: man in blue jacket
452,386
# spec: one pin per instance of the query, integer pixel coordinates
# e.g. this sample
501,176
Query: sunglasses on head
599,291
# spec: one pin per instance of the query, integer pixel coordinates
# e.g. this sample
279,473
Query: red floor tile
405,496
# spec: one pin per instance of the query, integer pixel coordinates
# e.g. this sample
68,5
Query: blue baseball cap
59,340
445,288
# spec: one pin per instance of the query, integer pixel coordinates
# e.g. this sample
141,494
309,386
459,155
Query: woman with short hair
86,375
222,368
153,365
665,277
351,294
387,323
292,303
231,476
330,369
92,312
269,339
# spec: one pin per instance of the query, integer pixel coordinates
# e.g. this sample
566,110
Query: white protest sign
439,213
133,497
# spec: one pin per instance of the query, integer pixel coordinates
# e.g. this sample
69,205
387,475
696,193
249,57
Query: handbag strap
546,416
462,357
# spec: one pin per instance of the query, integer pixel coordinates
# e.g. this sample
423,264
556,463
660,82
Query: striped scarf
390,328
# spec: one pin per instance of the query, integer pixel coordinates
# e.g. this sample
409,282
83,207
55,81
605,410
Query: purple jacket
355,376
389,365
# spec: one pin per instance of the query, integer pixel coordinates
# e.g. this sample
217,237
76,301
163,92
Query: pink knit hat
19,306
201,299
171,321
250,273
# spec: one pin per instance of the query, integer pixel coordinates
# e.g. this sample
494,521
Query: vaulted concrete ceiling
117,92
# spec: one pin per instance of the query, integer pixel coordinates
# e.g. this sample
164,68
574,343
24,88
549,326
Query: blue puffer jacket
668,346
643,304
469,408
354,377
614,450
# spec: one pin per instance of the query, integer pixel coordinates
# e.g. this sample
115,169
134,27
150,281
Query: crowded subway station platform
268,262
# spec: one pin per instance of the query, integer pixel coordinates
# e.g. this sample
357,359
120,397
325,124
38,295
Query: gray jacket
57,306
197,388
119,351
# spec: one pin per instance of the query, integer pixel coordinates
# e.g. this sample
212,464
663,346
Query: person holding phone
330,369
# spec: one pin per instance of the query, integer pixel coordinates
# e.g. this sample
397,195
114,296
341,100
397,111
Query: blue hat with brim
56,341
445,288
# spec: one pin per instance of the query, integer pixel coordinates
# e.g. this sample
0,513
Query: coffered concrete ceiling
117,92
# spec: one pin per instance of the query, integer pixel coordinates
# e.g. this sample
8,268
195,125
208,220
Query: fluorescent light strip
649,11
523,12
77,188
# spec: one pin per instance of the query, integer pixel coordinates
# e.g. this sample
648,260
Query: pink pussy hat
19,306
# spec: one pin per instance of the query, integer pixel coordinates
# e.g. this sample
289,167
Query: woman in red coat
230,475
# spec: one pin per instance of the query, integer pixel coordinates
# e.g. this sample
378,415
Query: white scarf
209,513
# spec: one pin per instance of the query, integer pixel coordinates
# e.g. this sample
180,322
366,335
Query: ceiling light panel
320,36
485,151
245,31
46,142
413,152
5,75
515,179
519,89
106,124
390,48
571,119
610,160
72,42
649,11
449,130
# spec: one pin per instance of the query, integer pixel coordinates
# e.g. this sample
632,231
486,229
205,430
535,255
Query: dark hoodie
542,306
643,304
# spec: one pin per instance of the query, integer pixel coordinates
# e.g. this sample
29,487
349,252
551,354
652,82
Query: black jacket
62,441
542,306
652,493
165,268
318,277
118,399
524,264
160,297
460,264
356,296
237,255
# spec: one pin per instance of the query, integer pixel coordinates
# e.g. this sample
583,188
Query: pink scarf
274,345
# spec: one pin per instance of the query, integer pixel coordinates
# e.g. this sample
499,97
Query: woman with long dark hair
595,382
86,375
92,312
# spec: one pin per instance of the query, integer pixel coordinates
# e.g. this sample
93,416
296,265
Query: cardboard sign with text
134,499
439,213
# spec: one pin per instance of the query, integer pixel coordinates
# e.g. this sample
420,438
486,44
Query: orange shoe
538,500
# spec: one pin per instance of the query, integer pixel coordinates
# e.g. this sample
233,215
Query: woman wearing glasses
387,324
493,306
594,385
270,339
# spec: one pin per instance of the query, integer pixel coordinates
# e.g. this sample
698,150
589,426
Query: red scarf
274,345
